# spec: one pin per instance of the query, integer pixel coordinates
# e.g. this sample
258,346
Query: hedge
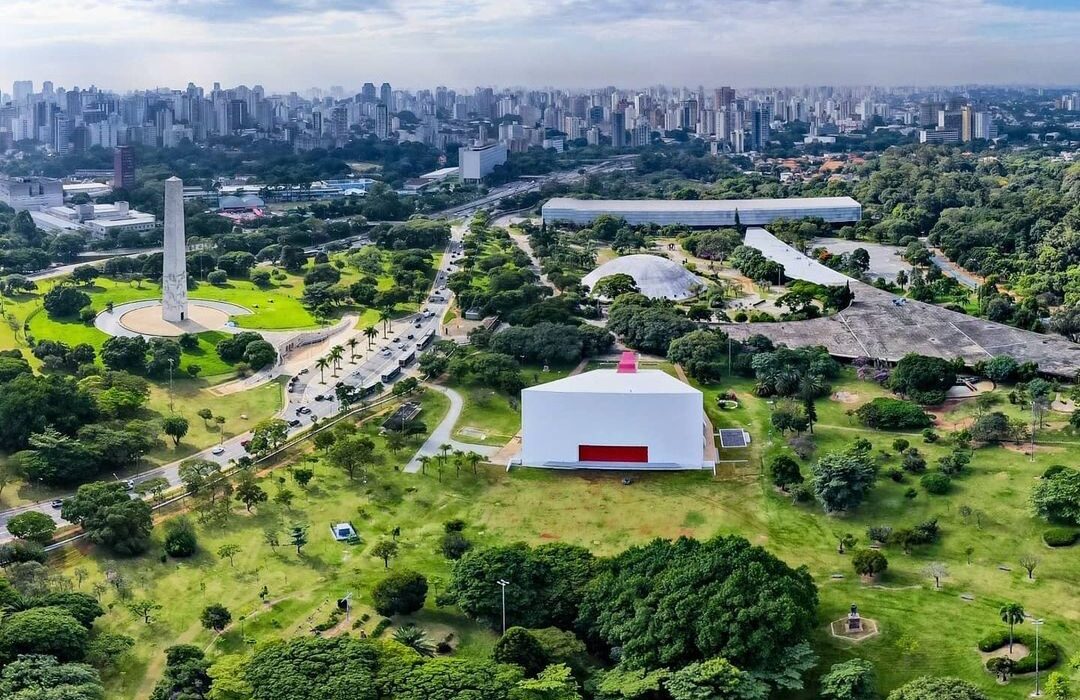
885,413
1048,651
1061,537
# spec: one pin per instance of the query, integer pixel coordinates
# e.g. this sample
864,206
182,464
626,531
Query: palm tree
370,333
322,363
473,460
458,456
415,638
336,353
384,316
424,461
353,342
1012,614
445,450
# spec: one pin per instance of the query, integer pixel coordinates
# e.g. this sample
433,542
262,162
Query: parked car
294,423
57,503
218,450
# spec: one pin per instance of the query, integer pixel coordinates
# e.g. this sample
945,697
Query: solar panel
734,437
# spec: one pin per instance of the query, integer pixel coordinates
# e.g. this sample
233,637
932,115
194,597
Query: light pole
171,362
503,583
1038,622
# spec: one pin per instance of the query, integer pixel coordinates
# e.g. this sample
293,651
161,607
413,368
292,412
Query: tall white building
476,162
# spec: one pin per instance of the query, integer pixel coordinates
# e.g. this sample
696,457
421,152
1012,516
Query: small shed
343,531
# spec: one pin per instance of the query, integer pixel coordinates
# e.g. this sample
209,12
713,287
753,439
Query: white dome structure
656,277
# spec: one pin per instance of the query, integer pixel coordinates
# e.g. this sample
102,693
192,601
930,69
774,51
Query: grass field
923,631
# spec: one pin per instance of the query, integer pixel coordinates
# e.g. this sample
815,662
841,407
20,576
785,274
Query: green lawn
923,631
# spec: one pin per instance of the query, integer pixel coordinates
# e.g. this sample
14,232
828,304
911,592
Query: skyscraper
386,95
123,168
618,129
382,121
367,93
759,127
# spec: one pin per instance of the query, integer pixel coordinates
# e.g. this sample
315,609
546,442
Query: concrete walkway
441,434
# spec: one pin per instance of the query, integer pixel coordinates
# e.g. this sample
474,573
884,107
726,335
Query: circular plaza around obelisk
145,318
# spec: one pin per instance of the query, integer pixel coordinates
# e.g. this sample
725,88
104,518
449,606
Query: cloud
292,44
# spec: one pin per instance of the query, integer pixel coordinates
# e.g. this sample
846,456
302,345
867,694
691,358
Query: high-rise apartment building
382,121
386,95
618,129
124,168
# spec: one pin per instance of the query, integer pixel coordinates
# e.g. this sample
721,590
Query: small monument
174,301
854,622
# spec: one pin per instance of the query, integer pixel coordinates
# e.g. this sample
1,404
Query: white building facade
613,419
475,162
706,213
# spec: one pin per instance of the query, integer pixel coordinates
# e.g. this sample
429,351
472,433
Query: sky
296,44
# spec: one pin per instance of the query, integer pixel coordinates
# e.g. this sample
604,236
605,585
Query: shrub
455,525
217,277
896,475
936,483
890,414
380,627
400,593
180,538
879,533
914,462
1061,537
911,493
1053,470
454,545
21,551
1049,653
901,444
785,471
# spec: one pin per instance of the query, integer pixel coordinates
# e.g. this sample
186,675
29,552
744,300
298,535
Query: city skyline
568,43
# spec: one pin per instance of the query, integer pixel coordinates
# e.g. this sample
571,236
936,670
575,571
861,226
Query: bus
405,360
390,374
425,339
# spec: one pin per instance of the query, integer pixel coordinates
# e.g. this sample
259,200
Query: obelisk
174,302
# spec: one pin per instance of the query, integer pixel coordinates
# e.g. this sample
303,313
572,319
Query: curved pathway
441,434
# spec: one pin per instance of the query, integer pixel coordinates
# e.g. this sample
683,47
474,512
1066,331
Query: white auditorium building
624,418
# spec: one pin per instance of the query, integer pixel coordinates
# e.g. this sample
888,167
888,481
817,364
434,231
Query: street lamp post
1038,622
503,583
171,361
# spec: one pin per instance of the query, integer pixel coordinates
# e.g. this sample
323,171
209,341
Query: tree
229,551
869,562
175,427
303,475
1029,562
841,480
937,571
614,285
268,435
40,677
32,525
385,550
518,646
923,379
1002,666
1011,614
63,301
180,538
185,674
850,680
1057,498
1057,686
215,617
785,471
259,354
556,682
715,678
930,688
284,497
248,490
314,668
371,333
206,414
46,630
400,593
144,608
110,517
683,589
298,537
352,453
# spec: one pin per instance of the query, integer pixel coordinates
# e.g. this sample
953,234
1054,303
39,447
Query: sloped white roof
608,381
655,276
796,265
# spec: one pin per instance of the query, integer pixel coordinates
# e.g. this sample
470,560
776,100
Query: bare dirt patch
1019,651
846,397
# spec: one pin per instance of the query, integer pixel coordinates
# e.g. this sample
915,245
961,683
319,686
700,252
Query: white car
219,450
